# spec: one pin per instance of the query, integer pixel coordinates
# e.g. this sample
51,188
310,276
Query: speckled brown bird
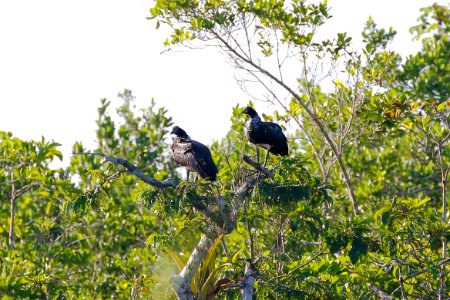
192,155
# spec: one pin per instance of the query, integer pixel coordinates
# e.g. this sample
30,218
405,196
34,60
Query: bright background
58,58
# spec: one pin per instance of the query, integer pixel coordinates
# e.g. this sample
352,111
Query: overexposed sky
59,57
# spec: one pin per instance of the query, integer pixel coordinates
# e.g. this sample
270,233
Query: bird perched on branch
192,155
265,134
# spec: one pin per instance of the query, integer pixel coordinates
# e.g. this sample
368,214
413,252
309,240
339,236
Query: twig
298,267
267,173
308,110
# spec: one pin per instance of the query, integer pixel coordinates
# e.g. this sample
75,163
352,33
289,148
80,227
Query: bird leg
257,154
265,160
187,175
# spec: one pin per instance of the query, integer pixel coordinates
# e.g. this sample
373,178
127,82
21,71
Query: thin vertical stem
12,212
280,245
250,234
401,280
444,178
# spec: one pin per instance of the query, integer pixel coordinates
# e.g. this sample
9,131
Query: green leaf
235,255
208,285
381,211
176,258
386,217
442,106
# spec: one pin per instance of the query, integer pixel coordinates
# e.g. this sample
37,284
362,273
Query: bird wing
182,155
267,133
203,161
195,156
270,134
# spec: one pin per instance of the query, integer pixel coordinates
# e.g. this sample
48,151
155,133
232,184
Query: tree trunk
249,279
181,282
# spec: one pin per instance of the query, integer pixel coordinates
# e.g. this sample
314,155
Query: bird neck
182,139
252,123
255,120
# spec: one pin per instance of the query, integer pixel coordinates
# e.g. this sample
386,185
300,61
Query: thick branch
267,173
180,282
221,217
135,171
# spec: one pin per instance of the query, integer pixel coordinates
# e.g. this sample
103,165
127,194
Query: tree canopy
358,210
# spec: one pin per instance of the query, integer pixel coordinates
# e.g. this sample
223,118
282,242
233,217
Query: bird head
250,112
179,132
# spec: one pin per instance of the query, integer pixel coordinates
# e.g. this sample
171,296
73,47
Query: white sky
58,58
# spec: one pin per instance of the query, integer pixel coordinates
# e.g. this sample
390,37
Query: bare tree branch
135,171
267,173
307,109
25,188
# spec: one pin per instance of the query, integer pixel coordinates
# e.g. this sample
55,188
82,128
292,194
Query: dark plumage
192,155
265,134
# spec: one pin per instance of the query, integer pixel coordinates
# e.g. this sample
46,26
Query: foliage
379,135
357,210
88,239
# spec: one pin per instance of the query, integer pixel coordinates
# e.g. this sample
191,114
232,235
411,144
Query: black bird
192,155
265,134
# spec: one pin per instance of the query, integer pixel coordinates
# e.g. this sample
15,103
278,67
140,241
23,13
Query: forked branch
223,221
